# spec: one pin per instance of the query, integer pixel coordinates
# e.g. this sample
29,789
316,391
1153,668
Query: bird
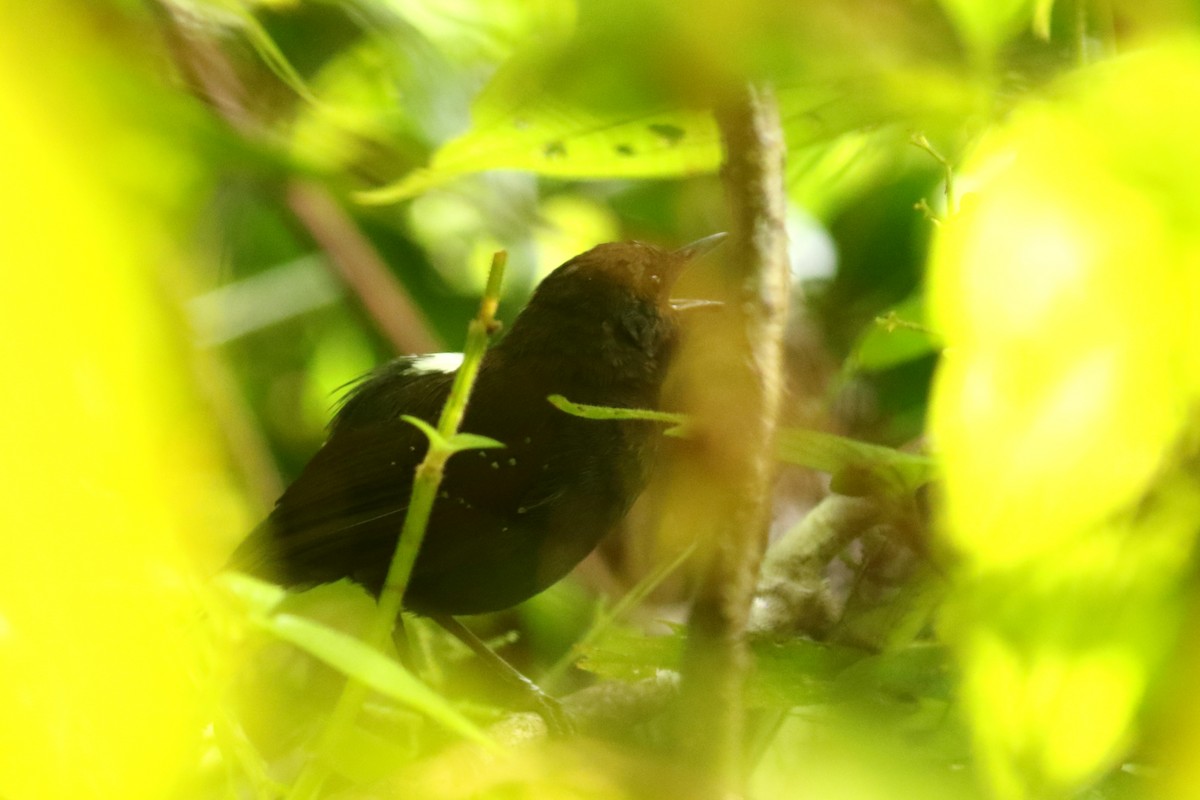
508,523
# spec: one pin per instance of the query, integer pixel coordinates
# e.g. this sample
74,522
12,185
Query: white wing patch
436,362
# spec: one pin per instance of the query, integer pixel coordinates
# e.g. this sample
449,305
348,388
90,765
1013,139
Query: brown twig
792,597
210,75
361,269
736,416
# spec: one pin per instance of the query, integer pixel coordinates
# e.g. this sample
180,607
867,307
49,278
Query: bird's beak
684,256
690,252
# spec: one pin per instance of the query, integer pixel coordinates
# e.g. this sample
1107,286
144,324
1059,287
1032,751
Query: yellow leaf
108,479
1065,289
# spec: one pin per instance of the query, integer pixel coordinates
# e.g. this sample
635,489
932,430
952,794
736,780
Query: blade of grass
373,669
605,619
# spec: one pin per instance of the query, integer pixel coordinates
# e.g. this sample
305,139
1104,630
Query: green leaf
985,26
472,441
837,455
587,411
259,596
471,31
630,655
916,671
550,138
456,443
608,618
826,176
1042,11
797,672
264,45
888,469
364,755
436,440
372,668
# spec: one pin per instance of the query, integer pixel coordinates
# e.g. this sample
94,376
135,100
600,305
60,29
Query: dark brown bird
510,522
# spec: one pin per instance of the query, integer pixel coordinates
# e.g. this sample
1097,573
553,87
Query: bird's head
609,308
637,269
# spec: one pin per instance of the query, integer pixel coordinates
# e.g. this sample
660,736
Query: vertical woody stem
737,415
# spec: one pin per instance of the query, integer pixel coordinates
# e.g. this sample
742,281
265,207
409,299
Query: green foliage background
996,253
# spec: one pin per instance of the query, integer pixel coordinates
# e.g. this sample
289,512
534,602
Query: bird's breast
510,522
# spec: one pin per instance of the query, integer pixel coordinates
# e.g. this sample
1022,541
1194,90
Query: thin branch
211,76
922,141
362,270
792,596
442,445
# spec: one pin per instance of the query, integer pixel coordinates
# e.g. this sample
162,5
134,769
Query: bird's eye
637,327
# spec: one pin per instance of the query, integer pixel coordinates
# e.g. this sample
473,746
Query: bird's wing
345,509
416,385
346,505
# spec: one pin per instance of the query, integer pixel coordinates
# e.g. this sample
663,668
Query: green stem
429,473
1080,33
605,619
921,141
416,520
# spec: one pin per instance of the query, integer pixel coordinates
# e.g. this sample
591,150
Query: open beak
687,254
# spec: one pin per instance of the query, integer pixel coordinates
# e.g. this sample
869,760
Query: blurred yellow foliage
1065,288
106,473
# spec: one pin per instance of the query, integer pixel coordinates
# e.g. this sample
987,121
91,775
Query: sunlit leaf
114,484
786,673
1042,12
986,26
358,112
894,470
629,655
1064,291
823,177
259,597
362,662
483,29
363,755
473,441
1066,288
551,139
890,470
